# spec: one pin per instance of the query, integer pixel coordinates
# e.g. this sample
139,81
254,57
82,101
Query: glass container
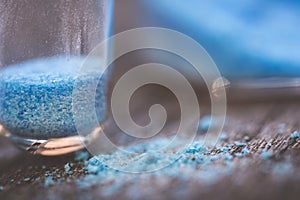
43,45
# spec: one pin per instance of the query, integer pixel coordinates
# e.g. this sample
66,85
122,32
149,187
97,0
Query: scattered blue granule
228,157
195,164
295,134
223,149
81,155
195,148
26,179
36,96
266,155
240,144
68,169
49,181
215,157
223,137
37,179
239,155
102,165
94,166
205,123
247,138
1,188
245,151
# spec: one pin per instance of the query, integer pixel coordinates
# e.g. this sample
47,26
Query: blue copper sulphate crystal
36,97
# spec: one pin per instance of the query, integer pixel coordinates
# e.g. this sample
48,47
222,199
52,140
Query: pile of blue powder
196,164
36,96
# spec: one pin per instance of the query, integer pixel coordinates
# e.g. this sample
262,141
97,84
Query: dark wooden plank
253,177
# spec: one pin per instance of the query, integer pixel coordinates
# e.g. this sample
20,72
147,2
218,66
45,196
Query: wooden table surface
260,121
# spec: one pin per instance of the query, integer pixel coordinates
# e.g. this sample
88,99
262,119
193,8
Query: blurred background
246,39
255,44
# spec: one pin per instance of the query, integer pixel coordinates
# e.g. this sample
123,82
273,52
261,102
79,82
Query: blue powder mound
36,97
102,170
197,166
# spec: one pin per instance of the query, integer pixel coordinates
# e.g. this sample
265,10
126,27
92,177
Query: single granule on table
36,96
26,179
239,155
266,155
205,123
246,138
81,155
223,149
295,134
49,181
68,169
245,151
240,144
223,137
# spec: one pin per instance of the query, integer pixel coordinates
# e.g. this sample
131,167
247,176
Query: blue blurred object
246,39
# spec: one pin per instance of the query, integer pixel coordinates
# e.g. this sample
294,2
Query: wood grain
259,121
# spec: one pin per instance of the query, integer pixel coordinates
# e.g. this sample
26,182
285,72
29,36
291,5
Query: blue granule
228,157
239,155
247,138
269,144
26,179
223,137
36,96
94,166
240,144
205,123
1,188
68,169
266,155
245,151
295,134
49,181
223,149
81,155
